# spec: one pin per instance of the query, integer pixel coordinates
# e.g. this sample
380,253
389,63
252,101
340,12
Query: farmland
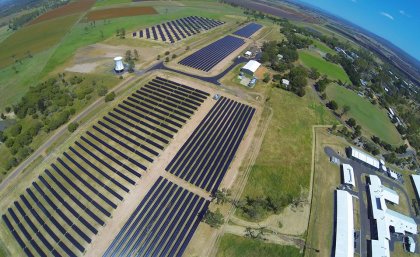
33,39
120,12
313,60
68,9
373,120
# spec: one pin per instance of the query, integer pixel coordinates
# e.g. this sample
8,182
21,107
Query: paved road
214,80
361,170
61,132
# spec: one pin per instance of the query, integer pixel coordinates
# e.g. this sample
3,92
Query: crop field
283,167
373,120
333,71
111,13
68,9
66,205
237,246
34,39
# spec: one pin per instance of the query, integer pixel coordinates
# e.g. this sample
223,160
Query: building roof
348,174
252,66
416,184
385,217
344,238
364,157
285,82
248,53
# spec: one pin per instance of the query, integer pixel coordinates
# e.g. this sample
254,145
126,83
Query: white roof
344,238
348,174
252,66
118,58
416,180
364,157
285,82
385,217
393,175
248,53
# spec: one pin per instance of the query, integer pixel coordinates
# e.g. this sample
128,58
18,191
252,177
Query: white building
416,185
251,67
364,157
119,66
344,236
285,82
386,218
348,174
248,53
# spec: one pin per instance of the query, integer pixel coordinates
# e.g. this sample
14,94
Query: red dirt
71,8
120,12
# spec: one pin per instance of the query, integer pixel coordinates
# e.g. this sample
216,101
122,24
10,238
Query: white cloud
389,16
403,13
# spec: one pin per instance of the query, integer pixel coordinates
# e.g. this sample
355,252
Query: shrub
73,126
110,97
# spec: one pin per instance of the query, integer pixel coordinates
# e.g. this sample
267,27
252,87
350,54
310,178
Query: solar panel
248,30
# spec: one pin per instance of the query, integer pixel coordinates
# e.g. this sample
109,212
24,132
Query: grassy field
313,60
373,120
35,38
236,246
283,167
320,230
323,47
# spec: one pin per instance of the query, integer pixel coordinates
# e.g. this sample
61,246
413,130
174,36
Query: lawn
323,47
283,167
237,246
373,120
34,39
313,60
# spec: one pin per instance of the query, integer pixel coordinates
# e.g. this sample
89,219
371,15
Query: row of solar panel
95,172
208,57
204,159
172,31
162,224
248,30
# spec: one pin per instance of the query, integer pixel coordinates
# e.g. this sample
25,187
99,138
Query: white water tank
119,66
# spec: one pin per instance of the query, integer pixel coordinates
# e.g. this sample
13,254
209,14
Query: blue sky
395,20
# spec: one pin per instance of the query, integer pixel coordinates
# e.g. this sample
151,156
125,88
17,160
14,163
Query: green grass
283,166
35,38
323,47
236,246
373,120
102,3
313,60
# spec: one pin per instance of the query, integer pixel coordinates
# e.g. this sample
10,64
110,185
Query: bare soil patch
120,12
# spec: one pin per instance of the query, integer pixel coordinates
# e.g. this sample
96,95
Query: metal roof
416,180
344,239
252,66
348,174
364,157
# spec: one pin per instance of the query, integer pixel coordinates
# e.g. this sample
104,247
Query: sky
398,21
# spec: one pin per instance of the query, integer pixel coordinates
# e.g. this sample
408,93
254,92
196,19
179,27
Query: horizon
389,20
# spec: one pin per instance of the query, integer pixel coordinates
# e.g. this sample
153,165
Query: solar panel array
176,30
208,57
63,208
162,224
248,30
204,159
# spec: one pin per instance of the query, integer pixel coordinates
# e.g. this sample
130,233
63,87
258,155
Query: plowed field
119,12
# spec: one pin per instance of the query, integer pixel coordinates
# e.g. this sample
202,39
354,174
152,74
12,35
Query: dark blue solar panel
208,57
248,30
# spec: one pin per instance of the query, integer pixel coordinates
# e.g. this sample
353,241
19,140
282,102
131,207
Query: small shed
248,53
251,67
285,82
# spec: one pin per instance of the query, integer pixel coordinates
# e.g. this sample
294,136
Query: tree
73,126
266,77
332,105
136,55
174,56
167,59
110,97
167,53
351,122
102,91
346,109
314,74
128,56
334,127
158,57
222,196
214,219
122,33
8,109
131,66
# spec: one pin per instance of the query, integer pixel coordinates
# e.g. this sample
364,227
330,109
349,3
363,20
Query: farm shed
348,174
251,67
